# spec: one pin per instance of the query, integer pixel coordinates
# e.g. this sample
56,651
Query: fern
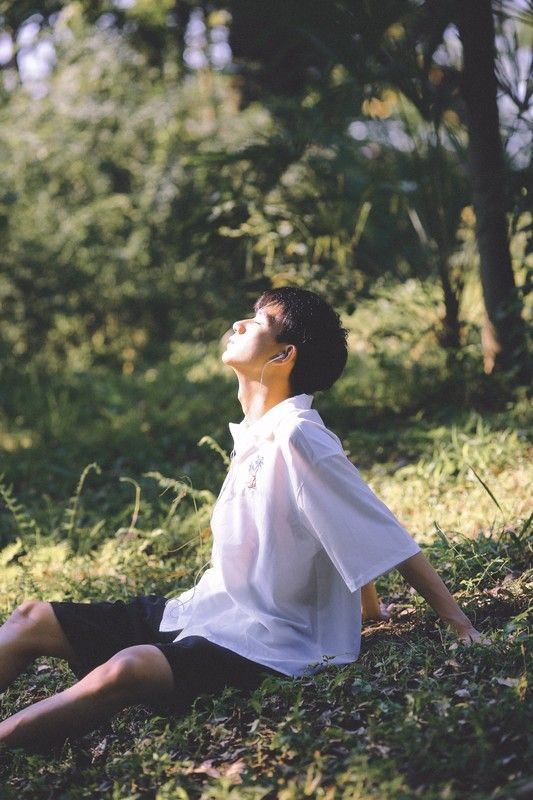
136,505
26,524
181,487
11,552
214,445
69,517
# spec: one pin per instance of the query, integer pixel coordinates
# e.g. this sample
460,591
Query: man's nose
238,326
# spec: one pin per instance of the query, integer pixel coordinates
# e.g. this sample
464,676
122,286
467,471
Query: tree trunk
503,335
450,334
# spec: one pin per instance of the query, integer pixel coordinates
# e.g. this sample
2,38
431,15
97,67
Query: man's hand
419,573
469,635
372,608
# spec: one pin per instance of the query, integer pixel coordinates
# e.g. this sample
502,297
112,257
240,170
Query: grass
418,715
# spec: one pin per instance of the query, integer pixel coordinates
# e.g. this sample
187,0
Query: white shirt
296,533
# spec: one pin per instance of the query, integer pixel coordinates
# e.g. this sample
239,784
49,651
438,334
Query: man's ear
290,353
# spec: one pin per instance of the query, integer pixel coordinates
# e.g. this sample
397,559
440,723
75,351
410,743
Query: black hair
310,323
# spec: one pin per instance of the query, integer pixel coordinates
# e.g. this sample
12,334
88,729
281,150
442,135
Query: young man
296,534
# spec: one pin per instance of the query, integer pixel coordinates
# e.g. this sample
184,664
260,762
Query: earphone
278,357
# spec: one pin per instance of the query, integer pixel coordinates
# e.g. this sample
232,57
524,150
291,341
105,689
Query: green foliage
216,448
139,203
69,522
24,522
105,213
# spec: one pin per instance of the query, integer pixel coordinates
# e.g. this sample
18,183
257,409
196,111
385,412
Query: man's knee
37,631
30,616
135,672
121,672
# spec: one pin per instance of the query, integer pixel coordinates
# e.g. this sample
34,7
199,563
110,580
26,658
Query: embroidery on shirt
253,469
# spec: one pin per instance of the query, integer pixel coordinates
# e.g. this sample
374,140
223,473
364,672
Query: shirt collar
245,435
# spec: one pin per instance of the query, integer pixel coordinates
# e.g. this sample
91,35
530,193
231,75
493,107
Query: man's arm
419,574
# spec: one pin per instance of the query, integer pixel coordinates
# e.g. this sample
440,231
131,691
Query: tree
105,202
503,334
293,50
355,206
385,54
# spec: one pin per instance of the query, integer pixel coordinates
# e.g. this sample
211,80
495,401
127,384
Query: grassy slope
417,715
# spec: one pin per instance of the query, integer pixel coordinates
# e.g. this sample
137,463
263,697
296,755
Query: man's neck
256,398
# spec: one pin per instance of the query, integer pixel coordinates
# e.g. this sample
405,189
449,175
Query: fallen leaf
507,681
234,770
205,768
451,662
407,612
99,750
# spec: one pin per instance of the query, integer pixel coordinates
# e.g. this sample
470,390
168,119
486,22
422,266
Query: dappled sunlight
457,503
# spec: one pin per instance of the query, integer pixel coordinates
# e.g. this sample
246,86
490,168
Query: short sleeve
359,533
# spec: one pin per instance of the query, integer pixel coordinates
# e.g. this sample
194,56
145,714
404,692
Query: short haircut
310,323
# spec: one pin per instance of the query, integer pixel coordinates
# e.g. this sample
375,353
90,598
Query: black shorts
96,631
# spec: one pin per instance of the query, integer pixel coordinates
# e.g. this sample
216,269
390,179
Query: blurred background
164,161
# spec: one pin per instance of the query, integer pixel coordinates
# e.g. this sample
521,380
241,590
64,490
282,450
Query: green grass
418,716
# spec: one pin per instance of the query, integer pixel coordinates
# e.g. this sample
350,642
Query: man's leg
139,674
31,631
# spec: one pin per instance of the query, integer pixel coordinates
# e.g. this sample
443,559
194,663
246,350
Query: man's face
253,341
